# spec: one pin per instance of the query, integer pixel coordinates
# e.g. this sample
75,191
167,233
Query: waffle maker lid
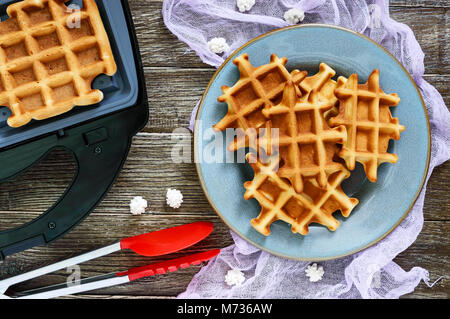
98,136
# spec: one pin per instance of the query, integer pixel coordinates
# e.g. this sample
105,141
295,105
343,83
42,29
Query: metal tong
156,243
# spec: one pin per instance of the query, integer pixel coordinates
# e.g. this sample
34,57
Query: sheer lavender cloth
367,274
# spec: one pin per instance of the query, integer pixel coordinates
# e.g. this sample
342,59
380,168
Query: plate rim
201,178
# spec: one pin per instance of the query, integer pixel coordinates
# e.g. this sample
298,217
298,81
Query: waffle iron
97,136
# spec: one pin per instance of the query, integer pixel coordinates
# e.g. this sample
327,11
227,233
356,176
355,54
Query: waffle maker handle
99,149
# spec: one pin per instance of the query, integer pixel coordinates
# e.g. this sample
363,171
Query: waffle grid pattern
321,82
295,127
257,88
46,67
299,163
276,197
364,111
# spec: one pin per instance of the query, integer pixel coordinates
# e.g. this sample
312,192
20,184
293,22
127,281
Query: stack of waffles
305,134
49,56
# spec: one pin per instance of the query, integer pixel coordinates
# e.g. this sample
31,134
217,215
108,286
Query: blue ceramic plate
382,205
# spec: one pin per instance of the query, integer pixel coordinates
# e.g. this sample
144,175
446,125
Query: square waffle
306,144
279,200
323,83
257,88
49,56
364,111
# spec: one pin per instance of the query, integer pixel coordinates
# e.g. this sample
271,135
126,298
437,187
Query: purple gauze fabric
370,273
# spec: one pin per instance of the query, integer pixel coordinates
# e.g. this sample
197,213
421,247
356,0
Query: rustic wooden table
176,79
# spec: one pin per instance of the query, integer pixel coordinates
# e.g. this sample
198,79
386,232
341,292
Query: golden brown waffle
306,144
279,200
256,89
323,83
49,55
364,111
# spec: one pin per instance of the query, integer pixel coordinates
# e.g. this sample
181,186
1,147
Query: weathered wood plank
441,83
148,172
173,95
158,46
100,229
437,201
429,251
175,73
161,48
419,3
432,37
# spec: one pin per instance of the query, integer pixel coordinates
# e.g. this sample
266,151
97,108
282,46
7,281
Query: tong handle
169,265
110,280
5,284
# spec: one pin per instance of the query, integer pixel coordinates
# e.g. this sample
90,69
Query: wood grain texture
144,175
100,229
148,172
87,237
176,79
160,48
166,114
440,82
433,37
169,110
420,3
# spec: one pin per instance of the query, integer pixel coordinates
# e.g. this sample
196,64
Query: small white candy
314,272
174,198
234,277
294,15
218,45
138,205
245,5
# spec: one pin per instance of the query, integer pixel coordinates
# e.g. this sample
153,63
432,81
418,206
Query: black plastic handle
99,148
